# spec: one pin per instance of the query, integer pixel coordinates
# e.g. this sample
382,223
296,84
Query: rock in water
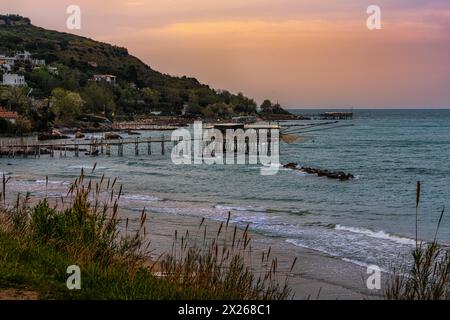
79,135
112,136
342,176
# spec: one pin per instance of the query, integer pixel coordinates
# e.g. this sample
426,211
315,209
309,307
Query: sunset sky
302,53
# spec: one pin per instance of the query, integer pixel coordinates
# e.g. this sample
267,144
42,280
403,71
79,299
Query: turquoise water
370,220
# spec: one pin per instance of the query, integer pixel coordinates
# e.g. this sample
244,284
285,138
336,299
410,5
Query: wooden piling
149,146
120,149
136,146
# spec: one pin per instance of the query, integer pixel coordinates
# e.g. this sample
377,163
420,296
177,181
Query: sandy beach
315,275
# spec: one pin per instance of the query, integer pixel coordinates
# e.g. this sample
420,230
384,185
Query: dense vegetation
38,243
140,90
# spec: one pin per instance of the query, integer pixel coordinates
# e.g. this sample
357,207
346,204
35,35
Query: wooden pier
336,115
76,147
116,147
329,116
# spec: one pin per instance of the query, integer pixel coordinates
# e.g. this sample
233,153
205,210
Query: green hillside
139,89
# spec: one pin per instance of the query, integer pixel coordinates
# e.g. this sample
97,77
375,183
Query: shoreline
316,275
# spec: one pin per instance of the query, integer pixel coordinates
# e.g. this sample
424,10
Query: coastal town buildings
9,64
20,57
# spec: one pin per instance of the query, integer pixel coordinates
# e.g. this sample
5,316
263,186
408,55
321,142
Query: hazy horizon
304,54
364,108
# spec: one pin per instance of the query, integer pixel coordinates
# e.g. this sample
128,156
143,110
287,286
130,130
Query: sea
368,220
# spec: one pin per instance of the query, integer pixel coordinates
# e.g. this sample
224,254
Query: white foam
141,197
298,244
231,208
352,261
376,234
39,181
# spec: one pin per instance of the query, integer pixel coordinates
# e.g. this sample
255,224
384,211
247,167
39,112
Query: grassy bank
39,243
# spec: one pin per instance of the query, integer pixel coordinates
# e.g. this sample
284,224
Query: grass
39,242
428,278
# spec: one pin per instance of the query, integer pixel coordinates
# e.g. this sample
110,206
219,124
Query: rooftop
8,114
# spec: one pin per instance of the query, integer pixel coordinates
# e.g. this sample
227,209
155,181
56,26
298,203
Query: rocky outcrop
14,20
51,136
79,135
337,175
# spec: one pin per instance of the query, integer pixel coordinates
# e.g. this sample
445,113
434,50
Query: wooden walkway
91,147
111,147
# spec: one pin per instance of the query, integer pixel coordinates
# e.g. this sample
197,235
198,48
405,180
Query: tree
193,107
269,108
6,127
42,79
266,106
16,98
243,104
218,110
99,99
41,118
172,99
225,96
66,105
23,126
206,96
151,97
70,78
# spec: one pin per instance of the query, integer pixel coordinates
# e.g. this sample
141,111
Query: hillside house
38,63
105,78
11,116
13,80
23,56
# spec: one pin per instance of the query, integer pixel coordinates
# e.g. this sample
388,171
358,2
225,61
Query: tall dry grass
84,227
429,276
222,265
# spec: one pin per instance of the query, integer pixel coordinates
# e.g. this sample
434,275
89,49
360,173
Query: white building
38,62
106,78
12,79
23,56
